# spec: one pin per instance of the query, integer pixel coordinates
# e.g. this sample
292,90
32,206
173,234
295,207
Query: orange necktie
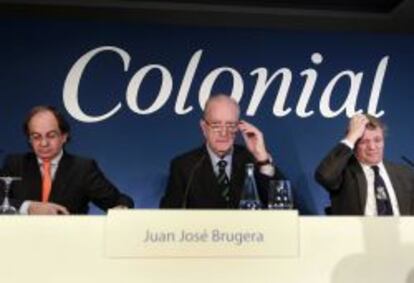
47,181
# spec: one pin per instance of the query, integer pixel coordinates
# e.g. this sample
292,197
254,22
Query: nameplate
201,233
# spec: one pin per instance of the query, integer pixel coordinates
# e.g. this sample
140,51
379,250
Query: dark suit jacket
203,190
342,176
77,182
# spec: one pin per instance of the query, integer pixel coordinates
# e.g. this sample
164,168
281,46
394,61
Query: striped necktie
223,180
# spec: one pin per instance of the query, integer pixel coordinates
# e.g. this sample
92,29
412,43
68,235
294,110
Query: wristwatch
266,166
264,162
267,161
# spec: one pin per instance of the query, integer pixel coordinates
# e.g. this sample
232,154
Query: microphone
407,160
190,180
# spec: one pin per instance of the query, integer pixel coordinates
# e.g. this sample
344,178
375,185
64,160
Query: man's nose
371,145
224,132
44,141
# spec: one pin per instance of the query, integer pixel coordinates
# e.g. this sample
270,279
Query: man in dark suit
357,178
54,181
195,179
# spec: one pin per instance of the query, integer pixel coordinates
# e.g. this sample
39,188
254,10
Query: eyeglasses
38,138
229,127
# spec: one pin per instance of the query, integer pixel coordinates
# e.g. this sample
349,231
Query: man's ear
65,138
203,127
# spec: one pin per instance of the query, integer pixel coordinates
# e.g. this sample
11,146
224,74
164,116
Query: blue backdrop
156,76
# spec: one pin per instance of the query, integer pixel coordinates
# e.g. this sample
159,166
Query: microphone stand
408,161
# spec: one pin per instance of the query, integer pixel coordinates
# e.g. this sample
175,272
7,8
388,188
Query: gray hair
220,97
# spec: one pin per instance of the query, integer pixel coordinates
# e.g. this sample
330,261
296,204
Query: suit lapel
205,186
61,178
236,181
361,184
210,180
32,179
402,195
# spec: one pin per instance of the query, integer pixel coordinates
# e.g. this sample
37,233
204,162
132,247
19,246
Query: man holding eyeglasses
196,177
54,181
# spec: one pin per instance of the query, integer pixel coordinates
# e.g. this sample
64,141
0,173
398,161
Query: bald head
222,100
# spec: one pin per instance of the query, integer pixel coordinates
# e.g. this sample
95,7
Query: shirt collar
367,168
55,161
215,158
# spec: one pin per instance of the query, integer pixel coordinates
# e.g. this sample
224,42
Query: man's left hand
254,140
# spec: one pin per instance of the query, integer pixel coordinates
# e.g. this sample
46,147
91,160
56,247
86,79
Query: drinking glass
5,207
280,195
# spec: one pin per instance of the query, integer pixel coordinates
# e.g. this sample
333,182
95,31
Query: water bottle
249,197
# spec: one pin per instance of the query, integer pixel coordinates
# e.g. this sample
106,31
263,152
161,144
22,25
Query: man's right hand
356,128
48,208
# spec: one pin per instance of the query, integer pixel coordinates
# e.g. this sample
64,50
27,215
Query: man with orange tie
54,181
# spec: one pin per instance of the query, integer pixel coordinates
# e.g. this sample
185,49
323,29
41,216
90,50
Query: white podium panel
331,249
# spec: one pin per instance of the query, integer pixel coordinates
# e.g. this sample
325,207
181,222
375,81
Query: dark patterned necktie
223,180
381,194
